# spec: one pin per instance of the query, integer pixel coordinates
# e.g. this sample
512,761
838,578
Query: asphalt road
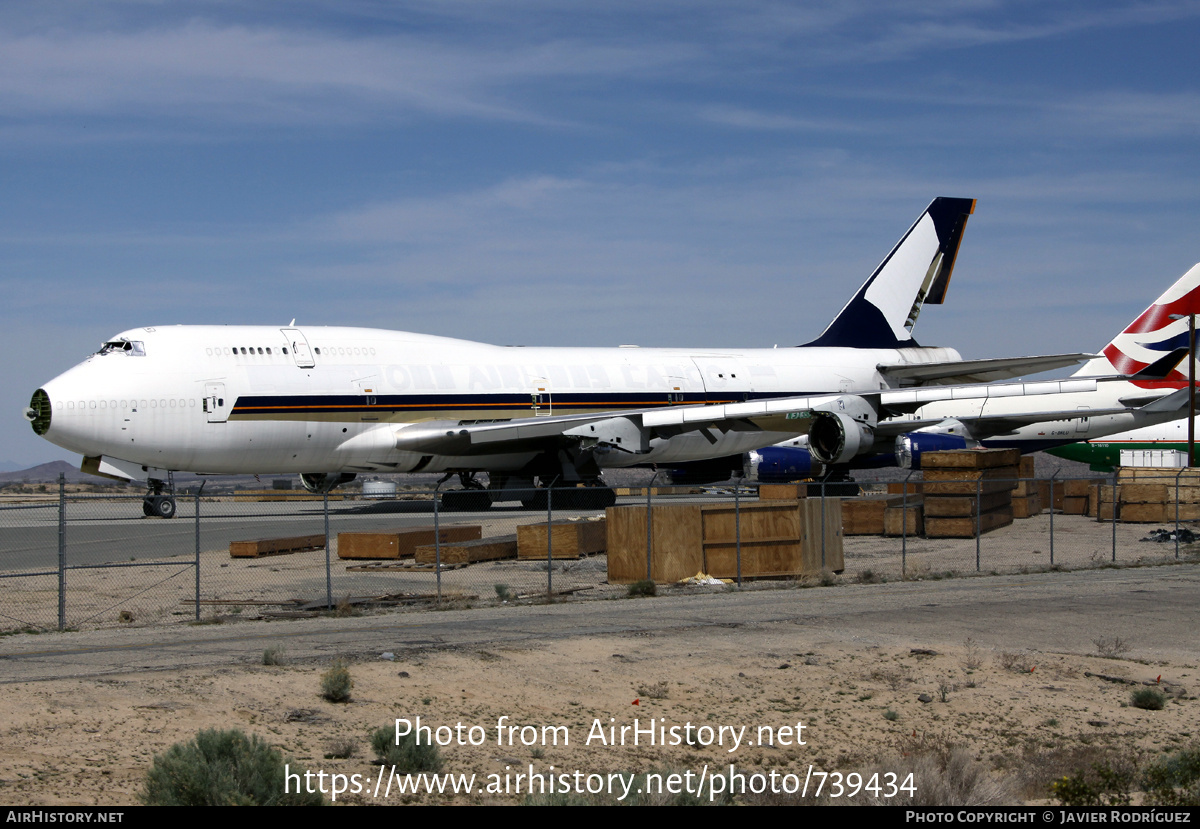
1155,609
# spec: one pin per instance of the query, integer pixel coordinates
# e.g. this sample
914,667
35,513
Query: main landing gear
159,501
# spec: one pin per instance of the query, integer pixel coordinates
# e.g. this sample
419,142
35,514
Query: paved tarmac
1154,609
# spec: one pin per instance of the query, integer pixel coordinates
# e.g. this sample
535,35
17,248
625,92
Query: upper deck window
130,348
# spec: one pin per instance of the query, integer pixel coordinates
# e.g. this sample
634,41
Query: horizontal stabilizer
977,371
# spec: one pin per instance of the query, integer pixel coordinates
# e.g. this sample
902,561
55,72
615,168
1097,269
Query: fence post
904,529
978,518
1177,477
328,564
62,551
1114,516
649,520
437,546
198,491
1052,477
822,525
549,543
737,529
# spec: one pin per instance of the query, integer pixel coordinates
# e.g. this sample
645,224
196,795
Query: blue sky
560,173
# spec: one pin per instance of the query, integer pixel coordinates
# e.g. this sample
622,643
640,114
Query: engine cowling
712,471
780,464
910,447
837,438
320,482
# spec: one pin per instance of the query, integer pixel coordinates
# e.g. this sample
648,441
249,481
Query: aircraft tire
147,508
164,507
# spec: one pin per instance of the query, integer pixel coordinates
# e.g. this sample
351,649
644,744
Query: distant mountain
48,473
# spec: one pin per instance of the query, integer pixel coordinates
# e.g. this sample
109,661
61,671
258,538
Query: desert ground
1022,717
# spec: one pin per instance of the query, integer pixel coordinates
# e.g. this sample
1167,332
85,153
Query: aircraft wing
982,427
953,372
630,430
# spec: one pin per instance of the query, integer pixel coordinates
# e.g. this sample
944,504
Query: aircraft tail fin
916,272
1153,336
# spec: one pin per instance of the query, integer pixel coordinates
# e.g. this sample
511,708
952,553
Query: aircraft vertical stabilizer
917,271
1153,335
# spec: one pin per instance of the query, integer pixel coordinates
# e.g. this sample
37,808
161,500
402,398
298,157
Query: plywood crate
1075,505
777,539
864,515
971,459
1159,513
966,527
1026,506
1027,467
970,481
275,546
914,487
1044,488
401,542
782,492
1158,475
1076,487
960,506
467,552
899,520
677,548
571,539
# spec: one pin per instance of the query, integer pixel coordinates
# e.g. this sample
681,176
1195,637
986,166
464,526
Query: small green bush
645,587
273,656
406,755
223,768
504,592
1149,699
1174,781
336,683
1104,785
891,715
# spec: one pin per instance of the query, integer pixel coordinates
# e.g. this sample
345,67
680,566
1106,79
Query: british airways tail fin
1153,335
916,272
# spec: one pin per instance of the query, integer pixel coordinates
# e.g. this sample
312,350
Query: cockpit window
130,348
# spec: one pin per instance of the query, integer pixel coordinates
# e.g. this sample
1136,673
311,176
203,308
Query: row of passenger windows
125,404
220,350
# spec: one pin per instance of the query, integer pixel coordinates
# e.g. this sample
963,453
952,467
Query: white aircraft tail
916,272
1153,336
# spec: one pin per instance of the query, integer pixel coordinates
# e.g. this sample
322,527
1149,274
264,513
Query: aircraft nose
38,412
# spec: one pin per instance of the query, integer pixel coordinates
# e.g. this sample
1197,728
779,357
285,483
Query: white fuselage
237,399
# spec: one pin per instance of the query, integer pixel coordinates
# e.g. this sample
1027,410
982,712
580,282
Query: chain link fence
82,561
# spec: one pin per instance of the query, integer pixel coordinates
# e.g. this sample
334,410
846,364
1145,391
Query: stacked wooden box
1026,500
782,492
1152,495
780,538
969,491
468,552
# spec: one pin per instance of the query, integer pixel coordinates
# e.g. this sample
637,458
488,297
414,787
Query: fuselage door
301,353
216,405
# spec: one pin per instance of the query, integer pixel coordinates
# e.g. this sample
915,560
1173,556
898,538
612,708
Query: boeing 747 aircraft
329,403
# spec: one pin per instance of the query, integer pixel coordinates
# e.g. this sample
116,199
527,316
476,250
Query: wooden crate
966,527
971,459
571,539
1027,506
914,487
401,542
864,515
961,506
782,492
1075,505
1159,513
275,546
1076,487
467,552
1027,467
779,538
895,522
970,481
677,549
1158,475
